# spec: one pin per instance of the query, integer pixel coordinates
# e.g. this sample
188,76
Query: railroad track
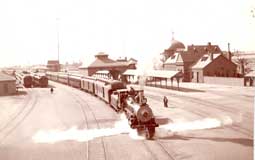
25,104
153,149
83,104
210,105
23,113
145,142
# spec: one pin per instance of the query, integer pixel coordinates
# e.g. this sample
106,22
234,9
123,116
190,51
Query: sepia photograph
127,79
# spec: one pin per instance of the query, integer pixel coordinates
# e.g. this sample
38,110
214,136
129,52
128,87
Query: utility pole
57,23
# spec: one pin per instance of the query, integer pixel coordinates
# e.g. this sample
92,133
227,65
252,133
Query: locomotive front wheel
150,133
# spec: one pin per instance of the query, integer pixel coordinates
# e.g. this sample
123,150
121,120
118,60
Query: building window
6,88
192,75
197,77
227,74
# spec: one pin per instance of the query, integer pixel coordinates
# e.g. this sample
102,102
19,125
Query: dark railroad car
104,88
40,80
25,79
63,78
53,76
88,84
74,81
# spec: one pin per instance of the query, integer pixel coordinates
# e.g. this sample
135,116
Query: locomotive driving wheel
150,131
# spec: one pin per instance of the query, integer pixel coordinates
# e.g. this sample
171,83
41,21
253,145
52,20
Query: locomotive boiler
136,109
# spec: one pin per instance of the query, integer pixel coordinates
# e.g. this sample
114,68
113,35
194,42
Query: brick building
177,58
7,84
102,62
213,65
53,65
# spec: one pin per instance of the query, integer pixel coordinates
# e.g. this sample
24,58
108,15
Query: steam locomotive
115,93
138,112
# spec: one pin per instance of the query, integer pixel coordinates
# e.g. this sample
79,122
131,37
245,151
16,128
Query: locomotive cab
118,99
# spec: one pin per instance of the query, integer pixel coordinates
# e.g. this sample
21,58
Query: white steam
206,123
52,136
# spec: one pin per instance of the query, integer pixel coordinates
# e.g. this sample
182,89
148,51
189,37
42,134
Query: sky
142,29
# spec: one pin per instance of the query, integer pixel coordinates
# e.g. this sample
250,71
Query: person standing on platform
165,100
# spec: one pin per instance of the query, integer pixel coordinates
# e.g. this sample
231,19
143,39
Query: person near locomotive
165,101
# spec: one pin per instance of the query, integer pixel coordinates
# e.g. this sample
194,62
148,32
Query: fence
231,81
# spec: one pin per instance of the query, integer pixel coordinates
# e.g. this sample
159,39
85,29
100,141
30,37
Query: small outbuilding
7,84
249,78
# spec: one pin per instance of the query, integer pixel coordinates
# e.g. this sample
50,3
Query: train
25,79
129,101
40,80
29,80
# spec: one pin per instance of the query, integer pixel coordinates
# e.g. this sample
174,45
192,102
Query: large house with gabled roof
188,61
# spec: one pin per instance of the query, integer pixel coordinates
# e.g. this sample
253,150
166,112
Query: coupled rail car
25,79
40,80
131,102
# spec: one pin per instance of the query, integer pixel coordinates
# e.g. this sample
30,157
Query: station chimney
229,52
211,56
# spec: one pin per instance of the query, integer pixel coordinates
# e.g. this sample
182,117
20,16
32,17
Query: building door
197,77
5,88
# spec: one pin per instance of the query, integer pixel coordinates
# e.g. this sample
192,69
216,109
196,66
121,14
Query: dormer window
204,58
173,57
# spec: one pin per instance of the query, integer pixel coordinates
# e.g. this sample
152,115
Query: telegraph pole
57,23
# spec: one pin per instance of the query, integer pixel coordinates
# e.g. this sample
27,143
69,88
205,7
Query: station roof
153,73
99,63
6,78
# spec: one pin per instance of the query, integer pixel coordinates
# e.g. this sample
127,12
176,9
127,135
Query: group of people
132,93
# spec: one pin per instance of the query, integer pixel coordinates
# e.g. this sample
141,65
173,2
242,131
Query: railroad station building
53,65
198,61
104,65
7,84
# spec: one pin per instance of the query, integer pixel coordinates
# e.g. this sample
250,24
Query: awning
103,72
251,74
153,73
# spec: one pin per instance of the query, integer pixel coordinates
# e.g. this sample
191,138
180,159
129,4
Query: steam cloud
206,123
120,127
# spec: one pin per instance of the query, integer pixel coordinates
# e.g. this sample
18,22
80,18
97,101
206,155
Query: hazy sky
132,28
